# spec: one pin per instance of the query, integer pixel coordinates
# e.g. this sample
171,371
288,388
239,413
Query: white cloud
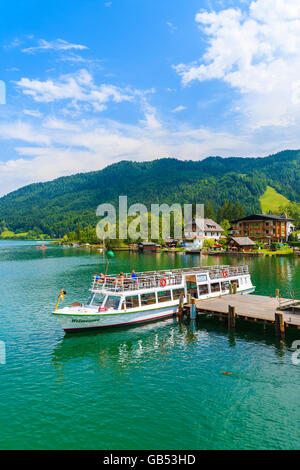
19,130
14,43
32,112
78,87
62,142
60,125
53,147
257,52
12,69
171,27
178,109
56,45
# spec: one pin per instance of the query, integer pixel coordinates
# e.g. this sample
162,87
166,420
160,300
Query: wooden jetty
253,308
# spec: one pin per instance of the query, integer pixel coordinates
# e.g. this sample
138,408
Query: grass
283,251
272,200
7,234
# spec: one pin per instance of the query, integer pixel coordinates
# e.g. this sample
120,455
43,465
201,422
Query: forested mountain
56,207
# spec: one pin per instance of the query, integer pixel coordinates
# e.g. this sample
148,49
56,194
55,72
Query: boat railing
155,279
119,284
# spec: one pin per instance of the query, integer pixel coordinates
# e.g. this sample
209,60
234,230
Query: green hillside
56,207
271,200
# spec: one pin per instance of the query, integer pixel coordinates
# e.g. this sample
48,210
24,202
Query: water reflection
126,348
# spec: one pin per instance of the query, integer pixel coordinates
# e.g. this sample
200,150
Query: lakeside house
264,227
196,231
148,246
243,244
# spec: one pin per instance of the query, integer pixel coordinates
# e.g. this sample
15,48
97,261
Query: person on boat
99,278
120,279
133,274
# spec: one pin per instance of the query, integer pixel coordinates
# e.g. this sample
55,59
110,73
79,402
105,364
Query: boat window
96,299
132,301
113,302
91,298
164,296
203,289
148,299
177,293
215,287
225,285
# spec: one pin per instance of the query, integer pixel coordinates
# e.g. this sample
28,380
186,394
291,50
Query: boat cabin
164,288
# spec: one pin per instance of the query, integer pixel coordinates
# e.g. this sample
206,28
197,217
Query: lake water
157,386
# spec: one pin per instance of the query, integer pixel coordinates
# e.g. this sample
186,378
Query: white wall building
200,229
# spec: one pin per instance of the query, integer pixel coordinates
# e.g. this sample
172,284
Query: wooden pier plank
251,307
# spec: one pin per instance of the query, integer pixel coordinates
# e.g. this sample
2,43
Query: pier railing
291,298
174,277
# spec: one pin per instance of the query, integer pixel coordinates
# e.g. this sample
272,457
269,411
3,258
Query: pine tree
78,233
238,212
209,212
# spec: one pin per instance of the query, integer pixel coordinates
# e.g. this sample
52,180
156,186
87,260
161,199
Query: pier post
234,288
231,317
193,312
277,293
230,288
180,307
279,325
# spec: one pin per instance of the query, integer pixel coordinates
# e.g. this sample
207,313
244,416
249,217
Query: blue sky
89,83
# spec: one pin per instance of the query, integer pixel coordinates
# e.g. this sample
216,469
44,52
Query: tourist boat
125,300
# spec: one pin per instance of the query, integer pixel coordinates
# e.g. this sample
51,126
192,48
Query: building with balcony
200,229
263,227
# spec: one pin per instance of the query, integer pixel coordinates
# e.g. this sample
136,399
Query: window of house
132,301
148,299
164,296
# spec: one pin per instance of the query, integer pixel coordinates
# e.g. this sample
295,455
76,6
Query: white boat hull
76,323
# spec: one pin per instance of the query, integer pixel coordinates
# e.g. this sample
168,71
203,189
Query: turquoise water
157,386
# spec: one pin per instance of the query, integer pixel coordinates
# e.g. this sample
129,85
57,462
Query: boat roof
155,279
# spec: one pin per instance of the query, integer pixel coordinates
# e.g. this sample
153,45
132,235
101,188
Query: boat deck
153,279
